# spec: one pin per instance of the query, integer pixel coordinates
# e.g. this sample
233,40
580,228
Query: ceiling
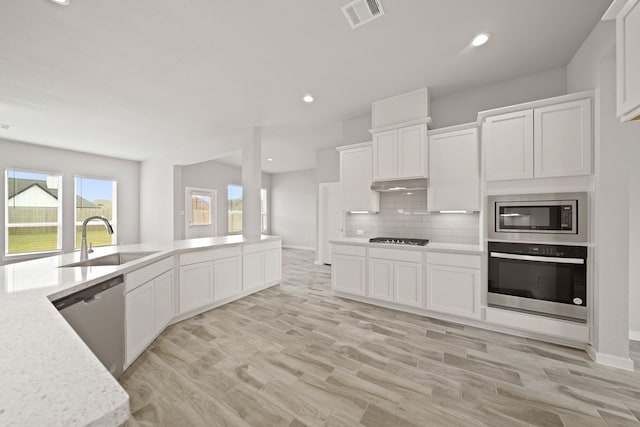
146,78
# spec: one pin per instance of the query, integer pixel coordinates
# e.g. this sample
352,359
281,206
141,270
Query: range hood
400,185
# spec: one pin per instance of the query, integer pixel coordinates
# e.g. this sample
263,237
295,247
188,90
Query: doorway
200,207
331,219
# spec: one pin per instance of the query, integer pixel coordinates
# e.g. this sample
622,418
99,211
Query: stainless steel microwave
553,217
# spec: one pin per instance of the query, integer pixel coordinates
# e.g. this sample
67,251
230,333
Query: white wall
33,157
463,107
293,208
615,199
634,236
213,175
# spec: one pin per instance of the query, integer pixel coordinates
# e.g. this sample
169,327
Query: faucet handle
90,250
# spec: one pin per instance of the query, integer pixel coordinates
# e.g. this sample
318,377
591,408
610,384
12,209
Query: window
95,197
33,212
234,199
200,209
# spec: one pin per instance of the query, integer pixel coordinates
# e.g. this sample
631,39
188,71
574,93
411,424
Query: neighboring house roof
15,186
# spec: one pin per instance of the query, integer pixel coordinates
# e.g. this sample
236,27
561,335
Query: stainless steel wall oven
543,279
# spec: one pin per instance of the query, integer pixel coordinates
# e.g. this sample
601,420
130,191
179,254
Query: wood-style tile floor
295,355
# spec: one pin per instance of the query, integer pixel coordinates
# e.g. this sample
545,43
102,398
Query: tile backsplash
404,214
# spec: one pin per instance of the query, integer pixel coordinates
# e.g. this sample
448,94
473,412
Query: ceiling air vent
359,12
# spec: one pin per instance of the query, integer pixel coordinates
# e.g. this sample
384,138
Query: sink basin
112,259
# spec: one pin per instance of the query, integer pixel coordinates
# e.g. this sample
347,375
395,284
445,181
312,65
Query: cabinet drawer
455,260
396,254
143,275
261,247
209,255
349,250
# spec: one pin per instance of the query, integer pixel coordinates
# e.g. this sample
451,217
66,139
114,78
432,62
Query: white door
508,146
408,283
381,279
385,155
331,219
412,142
227,278
199,212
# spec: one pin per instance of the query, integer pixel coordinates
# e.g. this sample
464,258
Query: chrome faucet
83,248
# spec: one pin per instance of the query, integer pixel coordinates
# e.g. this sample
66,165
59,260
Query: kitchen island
50,377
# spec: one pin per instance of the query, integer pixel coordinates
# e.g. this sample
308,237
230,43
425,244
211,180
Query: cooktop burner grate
399,241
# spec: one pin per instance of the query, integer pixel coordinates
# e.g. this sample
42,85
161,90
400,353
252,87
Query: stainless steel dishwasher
97,315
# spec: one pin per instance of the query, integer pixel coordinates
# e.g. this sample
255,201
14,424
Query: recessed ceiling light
480,39
269,159
307,98
61,2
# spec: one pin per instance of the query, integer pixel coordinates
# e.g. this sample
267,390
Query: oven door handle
537,258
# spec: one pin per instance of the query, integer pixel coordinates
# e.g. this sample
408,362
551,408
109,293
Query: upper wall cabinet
400,153
627,16
454,170
356,177
548,141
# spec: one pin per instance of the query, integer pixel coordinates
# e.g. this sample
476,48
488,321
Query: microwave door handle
537,258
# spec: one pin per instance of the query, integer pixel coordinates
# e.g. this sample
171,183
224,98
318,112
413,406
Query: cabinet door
453,290
562,139
273,266
139,310
412,151
356,178
628,60
458,187
348,274
408,283
385,155
196,286
163,300
252,271
227,278
508,146
381,279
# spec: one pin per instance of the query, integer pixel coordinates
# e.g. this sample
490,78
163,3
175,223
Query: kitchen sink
112,259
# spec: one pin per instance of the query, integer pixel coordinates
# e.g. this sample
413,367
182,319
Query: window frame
114,208
266,213
58,224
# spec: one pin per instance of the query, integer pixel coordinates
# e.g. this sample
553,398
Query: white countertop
429,247
49,376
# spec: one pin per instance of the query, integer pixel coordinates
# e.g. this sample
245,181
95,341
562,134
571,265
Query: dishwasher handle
89,294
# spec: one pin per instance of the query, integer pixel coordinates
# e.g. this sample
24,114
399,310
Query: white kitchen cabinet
139,324
196,286
400,153
628,61
381,279
454,171
348,273
149,305
562,139
227,278
252,271
272,265
395,275
261,265
453,284
408,283
164,307
547,141
356,177
508,146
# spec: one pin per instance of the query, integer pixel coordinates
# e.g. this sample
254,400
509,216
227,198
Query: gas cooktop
399,241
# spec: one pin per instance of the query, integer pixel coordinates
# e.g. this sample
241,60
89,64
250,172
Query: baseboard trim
609,360
634,335
303,248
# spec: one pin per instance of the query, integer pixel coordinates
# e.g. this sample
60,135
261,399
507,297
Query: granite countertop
475,249
49,376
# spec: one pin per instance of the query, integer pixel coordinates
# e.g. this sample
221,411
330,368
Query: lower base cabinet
261,265
149,306
196,286
396,281
453,284
348,269
227,278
